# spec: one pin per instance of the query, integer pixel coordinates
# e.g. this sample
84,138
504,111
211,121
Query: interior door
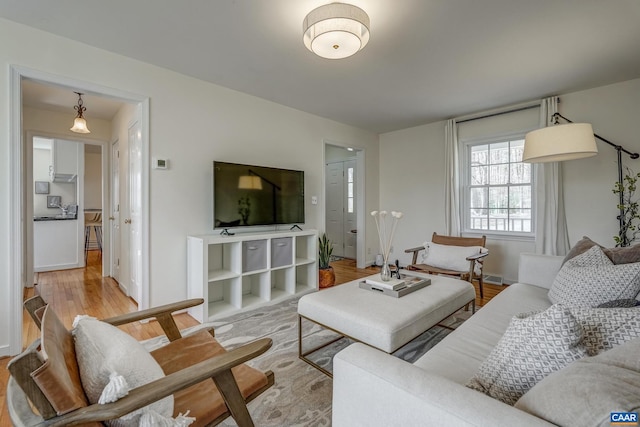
350,211
114,217
134,221
335,206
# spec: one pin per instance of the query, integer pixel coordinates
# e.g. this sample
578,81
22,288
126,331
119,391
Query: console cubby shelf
244,271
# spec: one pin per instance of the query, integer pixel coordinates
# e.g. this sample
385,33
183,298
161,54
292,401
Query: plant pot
327,277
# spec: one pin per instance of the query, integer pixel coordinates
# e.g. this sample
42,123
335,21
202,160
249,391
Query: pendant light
80,124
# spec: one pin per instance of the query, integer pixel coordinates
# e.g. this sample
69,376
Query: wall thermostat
160,163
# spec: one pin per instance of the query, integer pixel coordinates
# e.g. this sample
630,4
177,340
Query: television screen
247,195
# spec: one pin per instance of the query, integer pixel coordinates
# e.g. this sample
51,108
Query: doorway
344,201
19,218
341,206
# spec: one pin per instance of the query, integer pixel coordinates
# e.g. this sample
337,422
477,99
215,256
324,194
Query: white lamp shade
336,30
249,182
80,126
559,143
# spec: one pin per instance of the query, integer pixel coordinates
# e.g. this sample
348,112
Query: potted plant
325,272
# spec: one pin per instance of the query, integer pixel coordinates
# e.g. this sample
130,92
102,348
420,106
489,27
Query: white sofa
372,388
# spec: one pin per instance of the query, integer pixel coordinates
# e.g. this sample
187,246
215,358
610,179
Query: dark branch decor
629,209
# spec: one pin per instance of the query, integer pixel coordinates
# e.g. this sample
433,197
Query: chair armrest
156,390
477,256
32,305
415,253
417,249
162,313
369,384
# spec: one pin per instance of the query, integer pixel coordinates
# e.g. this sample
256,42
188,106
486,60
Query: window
497,187
350,188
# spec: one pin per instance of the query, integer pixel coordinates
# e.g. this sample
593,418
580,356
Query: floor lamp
568,142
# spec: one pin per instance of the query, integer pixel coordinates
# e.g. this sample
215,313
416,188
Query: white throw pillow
451,257
591,279
106,355
587,391
532,347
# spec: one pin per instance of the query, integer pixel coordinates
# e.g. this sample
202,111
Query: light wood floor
85,291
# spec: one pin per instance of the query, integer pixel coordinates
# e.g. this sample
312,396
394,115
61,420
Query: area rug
301,395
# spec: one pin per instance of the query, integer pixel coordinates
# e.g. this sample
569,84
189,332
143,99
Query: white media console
242,271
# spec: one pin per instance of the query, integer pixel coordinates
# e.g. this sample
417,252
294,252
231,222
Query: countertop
55,217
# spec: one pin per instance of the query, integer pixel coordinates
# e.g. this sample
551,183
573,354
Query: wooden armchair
474,272
204,378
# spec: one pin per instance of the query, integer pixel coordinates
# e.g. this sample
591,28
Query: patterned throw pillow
591,279
605,328
533,346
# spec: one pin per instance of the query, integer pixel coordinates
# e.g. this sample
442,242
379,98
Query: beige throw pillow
106,355
587,391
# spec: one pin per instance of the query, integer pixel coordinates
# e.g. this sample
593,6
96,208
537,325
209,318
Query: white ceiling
427,60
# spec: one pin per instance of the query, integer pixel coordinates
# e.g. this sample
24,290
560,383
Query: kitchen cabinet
64,161
56,245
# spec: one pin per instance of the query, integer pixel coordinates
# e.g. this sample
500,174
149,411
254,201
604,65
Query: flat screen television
250,195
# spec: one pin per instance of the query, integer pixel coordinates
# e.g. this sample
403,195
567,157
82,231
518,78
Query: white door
341,207
134,221
114,217
335,206
350,210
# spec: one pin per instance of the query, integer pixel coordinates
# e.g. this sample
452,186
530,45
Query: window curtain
452,188
552,237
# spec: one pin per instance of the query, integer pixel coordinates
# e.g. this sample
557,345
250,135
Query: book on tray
393,283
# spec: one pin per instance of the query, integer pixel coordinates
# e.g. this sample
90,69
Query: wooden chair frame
21,388
468,275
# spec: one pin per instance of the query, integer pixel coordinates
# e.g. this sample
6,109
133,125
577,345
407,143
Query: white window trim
463,149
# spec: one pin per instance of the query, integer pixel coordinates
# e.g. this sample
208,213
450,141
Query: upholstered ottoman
381,321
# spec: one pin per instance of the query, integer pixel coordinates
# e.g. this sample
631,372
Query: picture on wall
42,187
54,201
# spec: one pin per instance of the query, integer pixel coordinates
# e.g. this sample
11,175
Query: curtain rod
499,111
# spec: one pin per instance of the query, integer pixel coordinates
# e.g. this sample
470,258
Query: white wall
92,179
192,123
412,175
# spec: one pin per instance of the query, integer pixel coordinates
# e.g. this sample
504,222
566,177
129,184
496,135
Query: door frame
17,218
361,257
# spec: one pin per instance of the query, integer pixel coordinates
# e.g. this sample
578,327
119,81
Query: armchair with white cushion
462,257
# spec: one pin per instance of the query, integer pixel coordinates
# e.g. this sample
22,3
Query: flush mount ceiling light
336,30
80,124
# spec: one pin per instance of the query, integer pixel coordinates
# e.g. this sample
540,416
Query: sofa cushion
586,391
623,255
533,346
105,352
450,257
605,328
591,279
459,355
